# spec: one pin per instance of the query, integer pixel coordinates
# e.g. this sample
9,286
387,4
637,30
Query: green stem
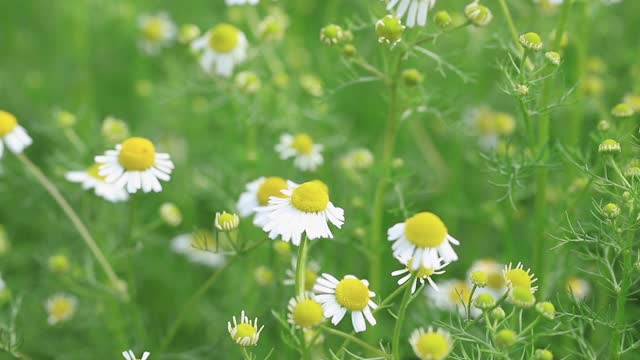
245,354
523,62
577,114
621,300
406,298
473,290
510,23
355,340
301,266
487,311
75,220
524,331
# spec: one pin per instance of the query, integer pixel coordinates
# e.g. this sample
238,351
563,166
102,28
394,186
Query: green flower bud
389,30
479,278
349,51
543,354
505,338
484,301
443,19
546,309
609,147
622,110
521,297
498,314
412,77
611,211
531,41
331,34
188,33
478,15
603,125
553,57
58,264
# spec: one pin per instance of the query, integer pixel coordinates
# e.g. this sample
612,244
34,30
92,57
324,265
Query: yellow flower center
153,30
460,291
226,218
425,229
137,154
308,313
302,143
310,197
432,346
422,271
518,278
244,330
310,278
61,308
223,38
271,186
8,122
94,171
496,280
353,294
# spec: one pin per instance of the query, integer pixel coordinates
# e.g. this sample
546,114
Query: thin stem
301,266
406,298
355,340
530,326
510,23
498,303
621,300
245,354
75,219
473,290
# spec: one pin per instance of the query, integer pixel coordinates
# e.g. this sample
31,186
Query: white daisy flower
304,209
12,135
156,32
310,275
304,311
91,179
518,277
129,355
241,2
421,274
61,308
307,154
418,10
245,332
199,247
580,288
258,193
349,294
136,165
431,344
224,45
423,237
496,285
452,296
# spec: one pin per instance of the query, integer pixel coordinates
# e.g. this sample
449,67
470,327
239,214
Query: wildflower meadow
319,179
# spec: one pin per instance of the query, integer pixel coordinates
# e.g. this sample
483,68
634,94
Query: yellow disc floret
94,171
308,313
223,38
518,278
153,29
425,229
61,308
302,143
432,345
271,186
352,293
310,197
137,154
244,330
8,122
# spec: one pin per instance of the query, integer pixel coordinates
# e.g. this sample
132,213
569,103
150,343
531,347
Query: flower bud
543,354
412,77
531,41
622,110
248,82
443,19
331,34
611,211
478,15
58,264
65,119
188,33
546,309
389,29
609,147
604,125
484,301
263,276
170,214
505,338
226,222
522,90
479,278
349,51
498,314
553,57
521,297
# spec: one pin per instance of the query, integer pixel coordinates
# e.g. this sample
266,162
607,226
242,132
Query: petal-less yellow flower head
484,301
546,309
389,29
224,38
331,34
244,330
543,354
302,143
432,345
308,313
271,186
310,197
478,15
58,264
425,230
154,29
459,292
522,297
609,147
505,338
479,278
353,294
531,41
137,154
226,221
518,278
8,122
94,171
504,123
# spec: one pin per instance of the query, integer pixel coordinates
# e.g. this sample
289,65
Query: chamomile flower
425,238
307,154
170,214
349,294
135,165
452,296
304,311
496,285
258,192
245,332
12,135
241,2
224,46
60,308
310,275
580,288
226,222
199,247
157,31
91,179
305,209
518,277
431,344
129,355
421,274
417,10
